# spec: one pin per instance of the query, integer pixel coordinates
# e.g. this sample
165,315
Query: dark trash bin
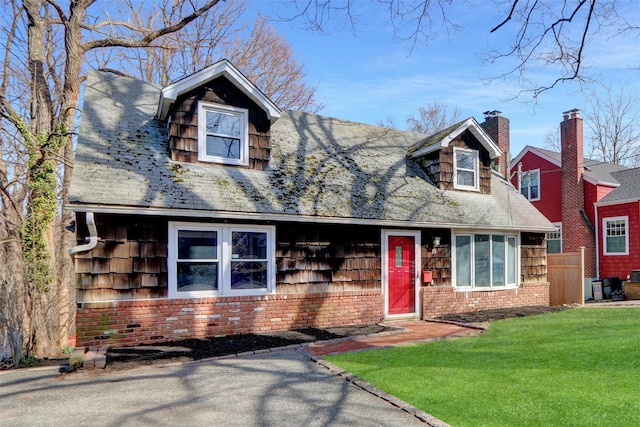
609,285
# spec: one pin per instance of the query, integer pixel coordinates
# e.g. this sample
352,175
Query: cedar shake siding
326,275
438,165
183,122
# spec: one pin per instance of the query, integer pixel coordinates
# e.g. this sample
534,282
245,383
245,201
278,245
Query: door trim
385,274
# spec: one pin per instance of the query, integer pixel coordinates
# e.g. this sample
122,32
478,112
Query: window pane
534,184
197,276
229,148
248,275
497,260
197,244
553,246
465,160
616,244
249,245
463,260
223,124
511,260
482,260
466,178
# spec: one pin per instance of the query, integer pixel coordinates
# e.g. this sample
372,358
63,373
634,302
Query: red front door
401,269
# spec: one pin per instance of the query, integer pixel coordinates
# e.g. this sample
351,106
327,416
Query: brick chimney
498,129
577,230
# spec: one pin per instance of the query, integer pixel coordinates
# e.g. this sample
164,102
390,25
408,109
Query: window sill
487,289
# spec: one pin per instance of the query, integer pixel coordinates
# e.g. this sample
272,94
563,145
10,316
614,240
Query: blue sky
368,76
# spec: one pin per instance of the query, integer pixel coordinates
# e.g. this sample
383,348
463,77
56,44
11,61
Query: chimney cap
489,114
571,114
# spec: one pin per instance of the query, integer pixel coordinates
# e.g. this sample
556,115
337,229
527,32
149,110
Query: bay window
485,260
210,260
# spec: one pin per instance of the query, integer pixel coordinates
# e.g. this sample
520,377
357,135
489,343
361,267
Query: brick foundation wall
150,321
441,300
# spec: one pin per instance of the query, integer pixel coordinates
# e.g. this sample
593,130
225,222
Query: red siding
593,193
550,203
620,265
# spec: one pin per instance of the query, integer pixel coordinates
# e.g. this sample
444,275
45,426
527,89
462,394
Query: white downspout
595,207
92,239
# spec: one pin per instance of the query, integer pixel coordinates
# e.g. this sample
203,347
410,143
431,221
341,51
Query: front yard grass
577,367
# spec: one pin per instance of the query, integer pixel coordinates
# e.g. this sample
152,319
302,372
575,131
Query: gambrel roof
321,169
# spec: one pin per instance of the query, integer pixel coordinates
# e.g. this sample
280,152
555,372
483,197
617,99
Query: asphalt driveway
282,388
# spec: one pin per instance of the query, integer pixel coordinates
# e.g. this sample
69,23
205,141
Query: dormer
458,158
217,116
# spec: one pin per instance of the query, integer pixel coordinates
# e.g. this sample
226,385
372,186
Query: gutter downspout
92,239
597,226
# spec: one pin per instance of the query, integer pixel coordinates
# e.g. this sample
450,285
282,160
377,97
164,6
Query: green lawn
578,367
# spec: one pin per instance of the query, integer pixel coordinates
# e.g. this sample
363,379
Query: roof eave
477,131
195,213
170,93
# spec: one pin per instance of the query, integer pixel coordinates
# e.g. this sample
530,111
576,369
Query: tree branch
149,38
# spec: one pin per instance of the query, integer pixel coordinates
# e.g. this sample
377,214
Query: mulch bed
120,358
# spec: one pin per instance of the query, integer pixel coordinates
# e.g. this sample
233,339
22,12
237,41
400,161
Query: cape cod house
593,204
203,209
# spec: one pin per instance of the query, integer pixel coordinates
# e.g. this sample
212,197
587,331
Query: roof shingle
321,168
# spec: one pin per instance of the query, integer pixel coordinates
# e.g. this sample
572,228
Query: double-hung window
530,184
223,134
485,261
465,169
554,240
616,235
210,260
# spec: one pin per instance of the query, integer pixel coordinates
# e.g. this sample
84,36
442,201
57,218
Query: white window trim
454,278
224,256
528,196
203,107
476,171
559,225
626,235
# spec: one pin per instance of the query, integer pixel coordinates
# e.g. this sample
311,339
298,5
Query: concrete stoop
94,357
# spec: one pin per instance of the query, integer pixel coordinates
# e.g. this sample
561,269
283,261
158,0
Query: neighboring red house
586,199
618,225
203,209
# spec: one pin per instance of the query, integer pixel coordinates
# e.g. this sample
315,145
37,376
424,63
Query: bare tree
433,118
49,45
555,34
552,140
614,121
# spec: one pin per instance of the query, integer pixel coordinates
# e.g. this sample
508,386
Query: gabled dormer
218,116
458,158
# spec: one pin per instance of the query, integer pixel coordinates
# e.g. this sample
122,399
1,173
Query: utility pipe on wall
92,239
